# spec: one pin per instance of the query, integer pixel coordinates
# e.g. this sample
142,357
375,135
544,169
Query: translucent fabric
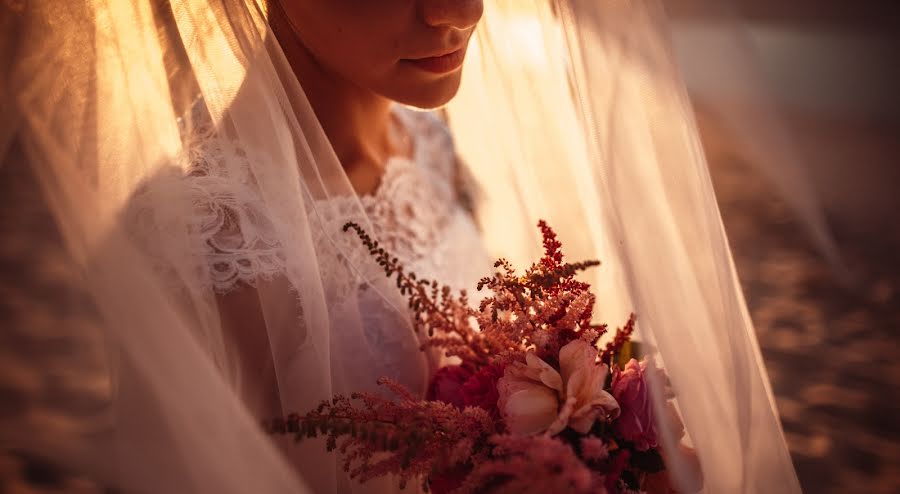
619,171
718,57
200,207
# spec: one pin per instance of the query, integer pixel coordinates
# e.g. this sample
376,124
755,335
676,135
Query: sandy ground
831,350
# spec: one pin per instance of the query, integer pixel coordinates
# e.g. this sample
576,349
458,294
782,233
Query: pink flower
630,389
536,398
447,385
480,390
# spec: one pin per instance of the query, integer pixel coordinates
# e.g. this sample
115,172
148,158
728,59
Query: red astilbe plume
546,308
553,259
443,317
404,436
531,464
623,336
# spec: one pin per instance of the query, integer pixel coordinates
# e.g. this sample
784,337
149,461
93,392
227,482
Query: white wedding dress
419,212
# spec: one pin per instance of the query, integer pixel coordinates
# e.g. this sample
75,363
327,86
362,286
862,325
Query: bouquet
534,405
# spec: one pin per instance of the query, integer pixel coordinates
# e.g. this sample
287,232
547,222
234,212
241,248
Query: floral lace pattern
413,210
239,241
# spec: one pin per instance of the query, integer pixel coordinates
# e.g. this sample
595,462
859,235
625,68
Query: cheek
363,56
370,51
363,42
354,38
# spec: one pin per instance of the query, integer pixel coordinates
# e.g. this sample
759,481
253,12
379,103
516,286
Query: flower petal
583,422
543,372
531,410
514,379
575,355
603,403
562,418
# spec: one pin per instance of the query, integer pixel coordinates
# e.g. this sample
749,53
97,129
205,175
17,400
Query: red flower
480,390
447,385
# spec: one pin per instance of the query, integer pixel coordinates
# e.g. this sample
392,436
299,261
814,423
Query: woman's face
409,51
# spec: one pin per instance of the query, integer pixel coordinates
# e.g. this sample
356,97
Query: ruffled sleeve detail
231,239
238,240
229,222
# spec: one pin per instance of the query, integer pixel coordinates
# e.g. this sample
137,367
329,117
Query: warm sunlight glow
215,52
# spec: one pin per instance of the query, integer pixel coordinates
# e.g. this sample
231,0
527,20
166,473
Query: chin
429,95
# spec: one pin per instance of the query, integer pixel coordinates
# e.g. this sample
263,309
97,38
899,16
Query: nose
459,14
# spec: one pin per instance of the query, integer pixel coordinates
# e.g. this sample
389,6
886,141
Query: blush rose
536,398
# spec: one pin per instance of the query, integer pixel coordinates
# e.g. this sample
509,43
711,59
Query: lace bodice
418,212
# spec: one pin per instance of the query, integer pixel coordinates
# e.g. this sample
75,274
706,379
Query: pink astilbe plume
405,436
443,317
532,464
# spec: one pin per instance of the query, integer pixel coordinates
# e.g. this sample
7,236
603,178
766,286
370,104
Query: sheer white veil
618,141
570,111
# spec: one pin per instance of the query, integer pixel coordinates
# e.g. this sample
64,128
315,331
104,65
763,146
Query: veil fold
613,161
176,152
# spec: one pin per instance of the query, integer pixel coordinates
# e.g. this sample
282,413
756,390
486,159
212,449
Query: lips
440,64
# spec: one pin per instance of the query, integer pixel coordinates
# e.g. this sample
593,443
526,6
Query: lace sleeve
236,236
231,238
229,221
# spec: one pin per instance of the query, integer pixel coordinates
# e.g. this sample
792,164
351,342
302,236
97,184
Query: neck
355,120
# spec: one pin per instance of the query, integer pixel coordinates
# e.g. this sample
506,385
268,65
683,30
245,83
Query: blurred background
829,341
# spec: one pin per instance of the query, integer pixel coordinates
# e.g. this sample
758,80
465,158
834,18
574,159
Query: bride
201,158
